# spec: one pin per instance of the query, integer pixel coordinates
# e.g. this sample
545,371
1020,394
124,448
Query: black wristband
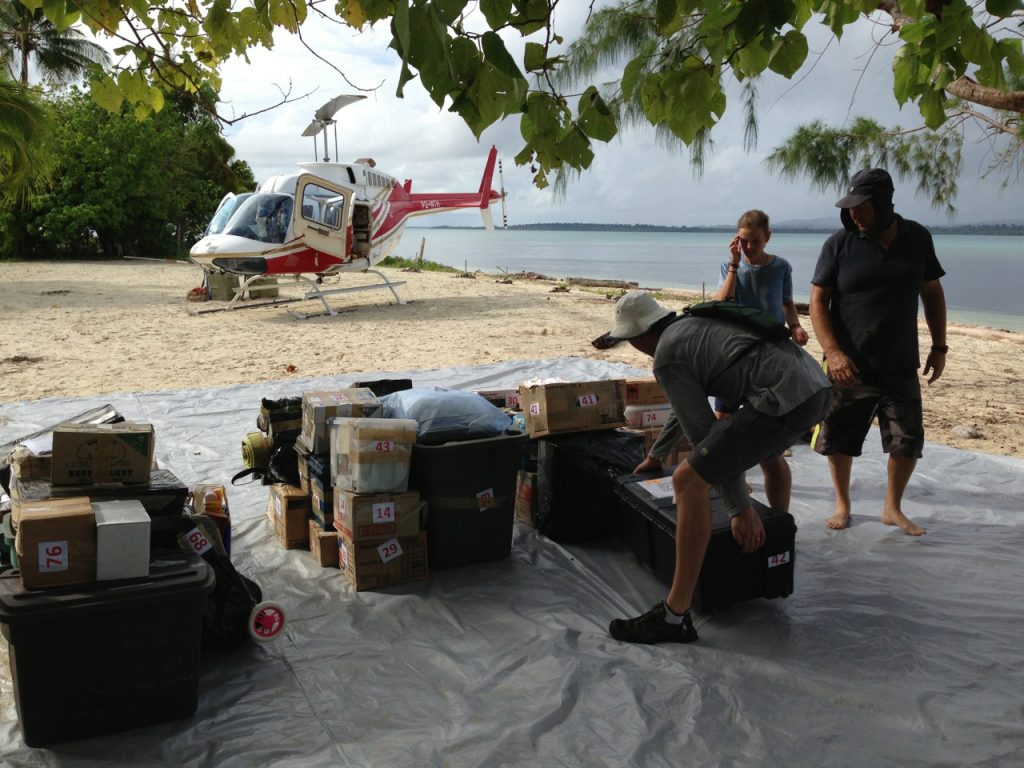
941,350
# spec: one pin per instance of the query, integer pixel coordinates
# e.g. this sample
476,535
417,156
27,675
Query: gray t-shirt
698,357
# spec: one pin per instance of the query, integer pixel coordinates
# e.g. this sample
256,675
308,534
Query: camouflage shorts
895,399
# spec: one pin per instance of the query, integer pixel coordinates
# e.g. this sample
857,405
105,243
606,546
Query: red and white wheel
266,621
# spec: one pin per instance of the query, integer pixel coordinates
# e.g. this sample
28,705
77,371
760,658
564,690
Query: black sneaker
652,628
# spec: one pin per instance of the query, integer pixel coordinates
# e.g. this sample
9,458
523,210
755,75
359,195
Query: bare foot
838,521
896,517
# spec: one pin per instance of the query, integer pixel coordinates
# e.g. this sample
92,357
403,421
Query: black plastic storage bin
728,575
101,658
576,481
470,490
633,521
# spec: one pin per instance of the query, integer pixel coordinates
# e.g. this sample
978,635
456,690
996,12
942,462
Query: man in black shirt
863,307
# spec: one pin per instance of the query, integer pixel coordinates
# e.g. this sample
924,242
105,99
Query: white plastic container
642,416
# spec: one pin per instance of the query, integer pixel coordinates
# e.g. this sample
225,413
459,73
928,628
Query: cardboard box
324,545
122,539
526,498
319,407
677,454
26,465
56,542
579,406
371,455
383,562
502,398
321,500
377,515
290,509
85,454
646,391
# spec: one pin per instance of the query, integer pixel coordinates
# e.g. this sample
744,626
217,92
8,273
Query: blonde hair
754,219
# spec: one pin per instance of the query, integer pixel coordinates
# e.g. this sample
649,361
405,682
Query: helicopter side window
322,206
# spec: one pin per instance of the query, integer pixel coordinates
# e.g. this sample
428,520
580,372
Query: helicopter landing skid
316,292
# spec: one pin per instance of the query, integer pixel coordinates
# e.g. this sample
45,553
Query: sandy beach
89,328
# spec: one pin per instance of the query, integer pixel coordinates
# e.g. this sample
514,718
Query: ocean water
983,283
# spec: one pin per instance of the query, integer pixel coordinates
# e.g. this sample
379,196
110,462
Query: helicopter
325,219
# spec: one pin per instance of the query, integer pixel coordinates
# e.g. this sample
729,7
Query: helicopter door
322,216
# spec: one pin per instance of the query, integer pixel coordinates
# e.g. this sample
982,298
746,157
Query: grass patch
398,262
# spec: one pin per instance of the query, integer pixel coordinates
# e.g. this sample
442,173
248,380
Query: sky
631,181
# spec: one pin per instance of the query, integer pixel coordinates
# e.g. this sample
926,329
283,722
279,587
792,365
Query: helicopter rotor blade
315,127
328,110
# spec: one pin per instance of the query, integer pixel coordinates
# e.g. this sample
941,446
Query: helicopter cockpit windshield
227,207
263,216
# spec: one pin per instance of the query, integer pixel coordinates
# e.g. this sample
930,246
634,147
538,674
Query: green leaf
496,12
753,58
916,32
1003,8
534,57
106,94
906,70
933,108
498,56
789,53
596,120
665,13
448,11
632,75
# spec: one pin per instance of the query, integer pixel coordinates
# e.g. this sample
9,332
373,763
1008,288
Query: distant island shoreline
961,229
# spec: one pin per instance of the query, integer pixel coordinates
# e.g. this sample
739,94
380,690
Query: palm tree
23,160
60,55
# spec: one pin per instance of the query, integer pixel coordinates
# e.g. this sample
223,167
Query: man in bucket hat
863,308
782,393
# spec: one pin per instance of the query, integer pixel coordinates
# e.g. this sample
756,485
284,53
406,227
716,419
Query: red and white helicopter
351,216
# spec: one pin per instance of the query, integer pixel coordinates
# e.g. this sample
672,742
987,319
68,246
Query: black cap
865,185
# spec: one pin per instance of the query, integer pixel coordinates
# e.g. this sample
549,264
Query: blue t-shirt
767,286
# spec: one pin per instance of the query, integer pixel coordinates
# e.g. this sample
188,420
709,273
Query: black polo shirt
875,294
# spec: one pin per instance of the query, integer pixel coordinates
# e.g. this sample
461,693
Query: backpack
273,459
750,318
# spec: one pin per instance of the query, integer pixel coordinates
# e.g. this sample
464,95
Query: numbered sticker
198,541
53,556
384,512
651,418
383,446
586,401
342,554
341,503
782,558
277,507
485,499
535,409
512,401
389,550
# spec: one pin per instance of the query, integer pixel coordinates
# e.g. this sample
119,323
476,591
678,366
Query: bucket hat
865,185
635,313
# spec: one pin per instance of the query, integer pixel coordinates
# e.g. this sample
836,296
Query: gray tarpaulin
892,651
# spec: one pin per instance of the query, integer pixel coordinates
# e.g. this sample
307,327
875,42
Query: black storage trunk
102,658
576,481
728,575
470,490
163,498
